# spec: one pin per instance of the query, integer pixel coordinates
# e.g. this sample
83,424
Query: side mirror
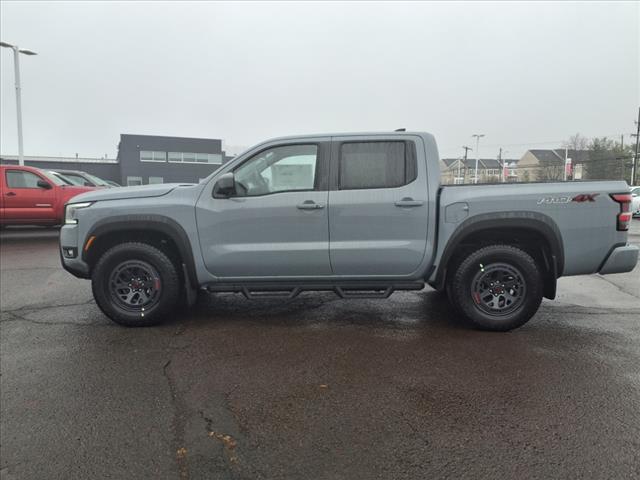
43,184
225,186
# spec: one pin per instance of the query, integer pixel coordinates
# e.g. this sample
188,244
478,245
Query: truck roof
350,134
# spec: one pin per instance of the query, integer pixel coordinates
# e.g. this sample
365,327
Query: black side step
291,290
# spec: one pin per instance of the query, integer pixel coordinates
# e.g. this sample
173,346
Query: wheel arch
536,233
158,230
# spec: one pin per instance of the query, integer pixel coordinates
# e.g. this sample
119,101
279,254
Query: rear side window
22,179
377,164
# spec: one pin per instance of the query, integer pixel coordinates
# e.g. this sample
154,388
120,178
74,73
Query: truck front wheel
498,287
135,284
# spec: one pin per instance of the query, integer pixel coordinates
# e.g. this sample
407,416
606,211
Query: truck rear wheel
135,284
498,287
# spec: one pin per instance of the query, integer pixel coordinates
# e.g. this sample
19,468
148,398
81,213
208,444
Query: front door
378,212
276,222
25,200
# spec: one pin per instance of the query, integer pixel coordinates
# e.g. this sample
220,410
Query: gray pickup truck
361,215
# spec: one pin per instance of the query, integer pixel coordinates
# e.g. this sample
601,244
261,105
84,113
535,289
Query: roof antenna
400,130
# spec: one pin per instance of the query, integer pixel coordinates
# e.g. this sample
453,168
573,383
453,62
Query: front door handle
409,202
310,205
11,194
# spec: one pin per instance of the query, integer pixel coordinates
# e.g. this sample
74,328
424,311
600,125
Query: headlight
70,211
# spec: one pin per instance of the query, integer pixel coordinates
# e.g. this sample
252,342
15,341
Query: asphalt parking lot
316,387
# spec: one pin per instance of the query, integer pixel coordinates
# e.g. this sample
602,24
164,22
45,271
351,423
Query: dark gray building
147,159
143,159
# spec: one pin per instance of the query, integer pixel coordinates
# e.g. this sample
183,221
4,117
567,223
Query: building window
133,181
153,180
376,165
458,181
152,156
190,157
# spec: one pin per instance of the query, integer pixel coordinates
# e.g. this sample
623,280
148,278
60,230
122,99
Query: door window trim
6,179
320,181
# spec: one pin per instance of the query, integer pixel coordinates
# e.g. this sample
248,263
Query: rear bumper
620,260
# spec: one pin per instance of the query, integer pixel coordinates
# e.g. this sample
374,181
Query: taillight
624,217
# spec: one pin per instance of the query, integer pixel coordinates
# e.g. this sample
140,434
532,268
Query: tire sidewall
146,253
462,294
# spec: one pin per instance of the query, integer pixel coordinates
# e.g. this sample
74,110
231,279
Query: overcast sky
525,74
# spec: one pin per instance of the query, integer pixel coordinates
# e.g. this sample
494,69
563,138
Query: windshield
96,180
74,179
55,178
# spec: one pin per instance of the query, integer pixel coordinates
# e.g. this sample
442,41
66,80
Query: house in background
456,171
549,164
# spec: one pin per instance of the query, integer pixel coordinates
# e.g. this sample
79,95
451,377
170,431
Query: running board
288,291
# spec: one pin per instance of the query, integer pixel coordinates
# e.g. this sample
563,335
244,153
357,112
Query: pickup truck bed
359,214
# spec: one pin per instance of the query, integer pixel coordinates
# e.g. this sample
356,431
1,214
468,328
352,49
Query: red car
29,196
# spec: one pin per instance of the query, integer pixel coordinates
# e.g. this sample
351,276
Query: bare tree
576,142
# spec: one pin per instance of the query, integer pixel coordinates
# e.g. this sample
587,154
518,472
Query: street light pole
634,174
16,68
477,136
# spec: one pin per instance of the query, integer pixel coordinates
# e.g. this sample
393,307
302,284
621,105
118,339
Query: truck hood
121,193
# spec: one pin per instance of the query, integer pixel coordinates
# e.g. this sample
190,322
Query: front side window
376,164
278,169
22,179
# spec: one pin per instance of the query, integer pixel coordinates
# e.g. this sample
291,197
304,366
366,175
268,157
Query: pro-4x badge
583,197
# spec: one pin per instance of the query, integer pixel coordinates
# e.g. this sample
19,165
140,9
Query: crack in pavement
37,309
21,318
29,268
178,404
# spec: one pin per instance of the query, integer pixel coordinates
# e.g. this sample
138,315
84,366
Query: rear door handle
11,194
409,202
310,205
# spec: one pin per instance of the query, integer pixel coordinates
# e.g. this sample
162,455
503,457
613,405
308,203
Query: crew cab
361,215
29,196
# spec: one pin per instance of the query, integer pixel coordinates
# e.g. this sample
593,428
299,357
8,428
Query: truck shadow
403,310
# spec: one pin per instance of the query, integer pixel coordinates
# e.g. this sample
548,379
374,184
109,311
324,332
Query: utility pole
466,149
634,173
477,136
16,67
502,176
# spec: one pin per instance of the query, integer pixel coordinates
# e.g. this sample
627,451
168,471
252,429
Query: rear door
377,205
24,200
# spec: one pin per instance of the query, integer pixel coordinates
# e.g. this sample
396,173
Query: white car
635,201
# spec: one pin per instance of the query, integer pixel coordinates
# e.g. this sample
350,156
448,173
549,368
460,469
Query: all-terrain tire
496,301
162,284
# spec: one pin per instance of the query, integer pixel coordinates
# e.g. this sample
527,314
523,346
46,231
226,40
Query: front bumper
69,242
620,260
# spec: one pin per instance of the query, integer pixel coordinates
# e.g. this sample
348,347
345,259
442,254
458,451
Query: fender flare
537,222
149,223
